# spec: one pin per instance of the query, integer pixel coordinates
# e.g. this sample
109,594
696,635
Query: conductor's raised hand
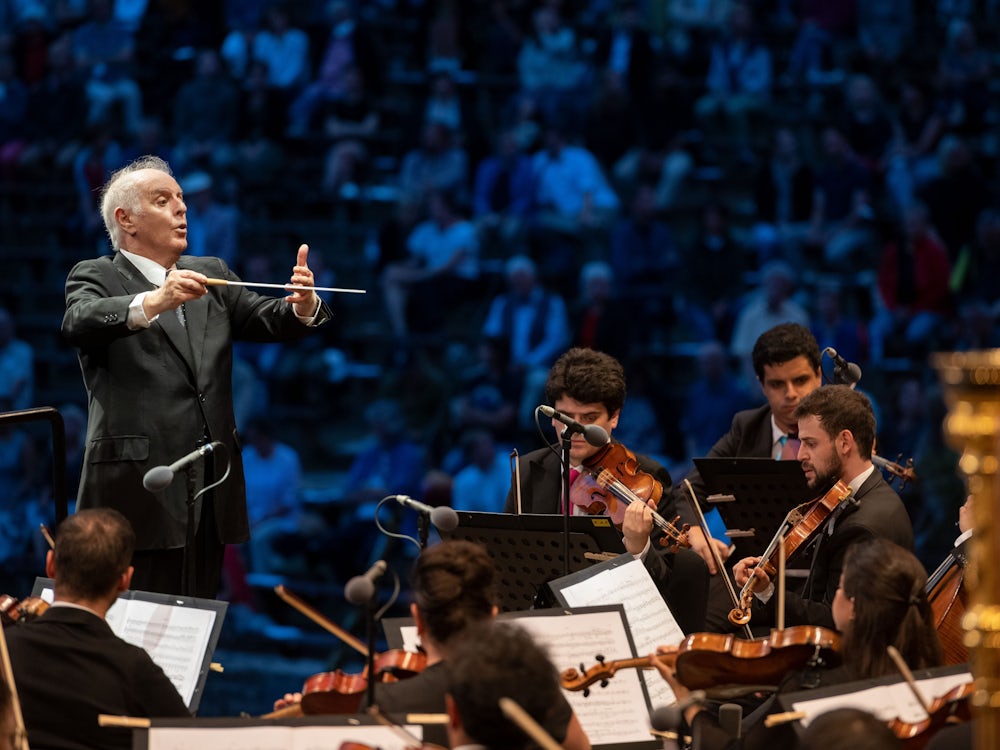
305,301
180,286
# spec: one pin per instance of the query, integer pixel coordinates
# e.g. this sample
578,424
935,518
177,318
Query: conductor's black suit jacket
155,394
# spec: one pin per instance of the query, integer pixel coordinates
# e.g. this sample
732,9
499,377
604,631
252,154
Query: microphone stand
370,658
190,560
567,438
423,528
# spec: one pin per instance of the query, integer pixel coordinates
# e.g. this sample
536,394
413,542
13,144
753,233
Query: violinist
786,360
68,665
454,590
489,662
589,386
879,601
836,427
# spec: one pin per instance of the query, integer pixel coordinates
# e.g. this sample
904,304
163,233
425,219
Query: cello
948,598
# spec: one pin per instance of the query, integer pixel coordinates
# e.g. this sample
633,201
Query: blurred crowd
659,179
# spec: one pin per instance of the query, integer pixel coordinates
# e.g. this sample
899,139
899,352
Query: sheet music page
886,701
174,637
614,714
259,737
650,620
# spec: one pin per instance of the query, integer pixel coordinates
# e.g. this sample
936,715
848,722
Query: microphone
159,477
361,589
844,372
669,718
592,433
443,517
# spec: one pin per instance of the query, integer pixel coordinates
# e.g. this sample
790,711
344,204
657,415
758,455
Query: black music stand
753,496
528,549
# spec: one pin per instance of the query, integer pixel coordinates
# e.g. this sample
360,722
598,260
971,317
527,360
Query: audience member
783,190
482,482
770,304
601,318
550,64
912,159
273,473
349,45
284,49
739,77
913,287
534,323
443,265
350,122
205,116
212,227
17,362
501,195
105,47
711,400
487,393
438,163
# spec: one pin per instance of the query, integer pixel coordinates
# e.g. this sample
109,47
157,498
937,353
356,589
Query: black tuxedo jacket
750,436
69,667
878,512
156,394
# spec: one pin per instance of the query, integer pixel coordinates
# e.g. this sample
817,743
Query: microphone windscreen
359,590
666,718
157,478
596,435
444,518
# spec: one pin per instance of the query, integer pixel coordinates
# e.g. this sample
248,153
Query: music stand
755,495
528,549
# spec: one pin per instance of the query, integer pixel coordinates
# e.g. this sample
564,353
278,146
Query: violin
803,527
706,660
617,482
338,692
17,611
905,473
950,708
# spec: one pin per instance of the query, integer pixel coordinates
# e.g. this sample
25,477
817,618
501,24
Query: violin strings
617,486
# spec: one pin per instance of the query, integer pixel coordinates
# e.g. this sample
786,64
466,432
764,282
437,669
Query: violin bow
513,711
21,743
715,554
289,598
904,670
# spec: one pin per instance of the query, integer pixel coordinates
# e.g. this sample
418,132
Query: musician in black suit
68,665
589,387
837,433
786,360
155,348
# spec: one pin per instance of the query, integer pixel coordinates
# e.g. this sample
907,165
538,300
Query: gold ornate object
971,382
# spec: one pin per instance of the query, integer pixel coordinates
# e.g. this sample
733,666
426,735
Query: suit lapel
176,335
197,323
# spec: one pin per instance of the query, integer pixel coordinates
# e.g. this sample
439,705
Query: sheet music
174,637
618,713
651,621
886,701
259,737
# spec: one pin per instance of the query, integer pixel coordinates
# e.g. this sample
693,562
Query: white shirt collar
777,436
860,479
152,271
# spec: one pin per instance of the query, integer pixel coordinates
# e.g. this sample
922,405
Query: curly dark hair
588,376
783,343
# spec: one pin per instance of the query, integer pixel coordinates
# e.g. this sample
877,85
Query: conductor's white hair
120,192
